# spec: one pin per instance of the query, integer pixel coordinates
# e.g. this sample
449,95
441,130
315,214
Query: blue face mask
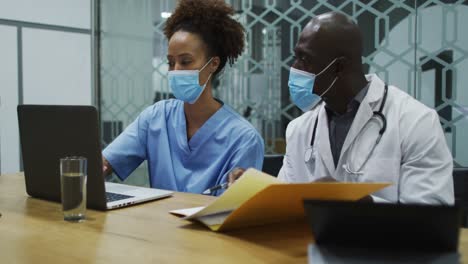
184,84
301,88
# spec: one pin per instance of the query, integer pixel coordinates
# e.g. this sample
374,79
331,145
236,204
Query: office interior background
112,54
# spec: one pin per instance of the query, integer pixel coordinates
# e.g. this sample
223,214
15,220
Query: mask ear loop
206,64
326,68
321,99
334,80
209,76
329,87
211,73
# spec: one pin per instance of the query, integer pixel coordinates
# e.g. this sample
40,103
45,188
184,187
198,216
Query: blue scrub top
159,135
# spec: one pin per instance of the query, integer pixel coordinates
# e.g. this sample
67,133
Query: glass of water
73,172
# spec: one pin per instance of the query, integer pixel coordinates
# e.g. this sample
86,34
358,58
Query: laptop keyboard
111,197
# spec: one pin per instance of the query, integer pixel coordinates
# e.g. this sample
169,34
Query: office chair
460,185
272,164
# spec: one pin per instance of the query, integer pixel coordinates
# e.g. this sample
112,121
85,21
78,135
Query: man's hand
235,174
366,199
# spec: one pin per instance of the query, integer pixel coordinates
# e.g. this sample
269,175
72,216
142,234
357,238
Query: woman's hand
235,174
106,167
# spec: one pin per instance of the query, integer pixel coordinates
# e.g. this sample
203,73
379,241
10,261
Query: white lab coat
412,153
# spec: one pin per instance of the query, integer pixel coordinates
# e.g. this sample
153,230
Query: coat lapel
369,104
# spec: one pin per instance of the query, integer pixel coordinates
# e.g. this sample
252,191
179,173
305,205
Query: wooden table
33,231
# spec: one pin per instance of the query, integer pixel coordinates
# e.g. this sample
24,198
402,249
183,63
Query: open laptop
359,232
50,132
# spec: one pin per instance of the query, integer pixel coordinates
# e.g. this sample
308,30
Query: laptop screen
51,132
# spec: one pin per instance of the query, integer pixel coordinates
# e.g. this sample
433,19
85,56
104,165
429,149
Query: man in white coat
356,128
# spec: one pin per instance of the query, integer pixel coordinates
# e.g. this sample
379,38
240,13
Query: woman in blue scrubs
191,143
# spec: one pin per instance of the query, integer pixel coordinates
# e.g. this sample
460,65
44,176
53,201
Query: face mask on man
185,84
301,88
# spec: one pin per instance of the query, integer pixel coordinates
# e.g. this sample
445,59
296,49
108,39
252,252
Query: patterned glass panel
418,45
125,70
441,61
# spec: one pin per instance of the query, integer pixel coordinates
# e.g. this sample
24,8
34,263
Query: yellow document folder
258,198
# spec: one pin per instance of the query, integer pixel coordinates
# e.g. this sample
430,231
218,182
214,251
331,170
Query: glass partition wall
418,45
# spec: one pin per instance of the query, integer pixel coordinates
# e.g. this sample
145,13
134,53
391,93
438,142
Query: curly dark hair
212,21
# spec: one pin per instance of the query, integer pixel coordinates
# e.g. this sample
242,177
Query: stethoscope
378,115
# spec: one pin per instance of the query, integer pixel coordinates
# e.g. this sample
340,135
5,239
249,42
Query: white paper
187,211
